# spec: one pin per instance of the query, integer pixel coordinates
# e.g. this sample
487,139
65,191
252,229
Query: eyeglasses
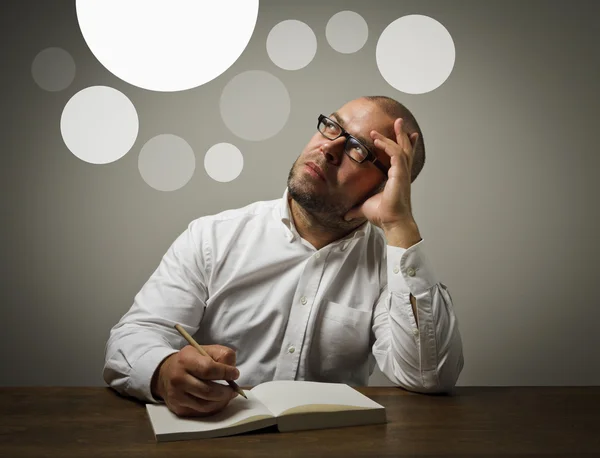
353,148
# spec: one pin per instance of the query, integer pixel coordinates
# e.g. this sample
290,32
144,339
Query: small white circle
291,349
415,54
347,32
167,46
291,45
223,162
317,255
255,105
411,272
396,270
166,162
303,300
53,69
99,124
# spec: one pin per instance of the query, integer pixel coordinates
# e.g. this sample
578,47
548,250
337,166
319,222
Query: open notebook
291,405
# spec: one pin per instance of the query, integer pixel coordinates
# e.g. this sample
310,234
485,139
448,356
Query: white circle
223,162
99,124
53,69
415,54
255,105
167,46
166,162
291,45
347,32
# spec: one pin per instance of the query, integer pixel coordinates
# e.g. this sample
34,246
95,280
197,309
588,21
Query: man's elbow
439,381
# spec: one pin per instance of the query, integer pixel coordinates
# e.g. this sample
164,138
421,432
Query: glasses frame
343,133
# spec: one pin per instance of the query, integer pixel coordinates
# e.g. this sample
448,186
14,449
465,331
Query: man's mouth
315,170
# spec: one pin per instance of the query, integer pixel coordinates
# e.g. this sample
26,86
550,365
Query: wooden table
96,422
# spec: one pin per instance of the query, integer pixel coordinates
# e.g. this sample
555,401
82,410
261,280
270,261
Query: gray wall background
507,202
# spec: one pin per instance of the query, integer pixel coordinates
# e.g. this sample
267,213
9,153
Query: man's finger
388,146
205,368
402,137
354,213
221,354
209,391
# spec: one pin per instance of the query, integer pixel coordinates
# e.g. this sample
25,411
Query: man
309,287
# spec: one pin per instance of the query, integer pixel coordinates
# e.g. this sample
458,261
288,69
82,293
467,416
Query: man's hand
391,209
183,380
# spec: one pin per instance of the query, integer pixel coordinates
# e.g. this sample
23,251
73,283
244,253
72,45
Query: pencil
197,346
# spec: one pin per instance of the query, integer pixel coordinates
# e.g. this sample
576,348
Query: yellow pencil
197,346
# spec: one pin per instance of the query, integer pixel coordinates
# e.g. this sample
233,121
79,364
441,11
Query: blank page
282,395
238,411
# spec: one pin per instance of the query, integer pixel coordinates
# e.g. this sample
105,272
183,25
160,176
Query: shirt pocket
341,344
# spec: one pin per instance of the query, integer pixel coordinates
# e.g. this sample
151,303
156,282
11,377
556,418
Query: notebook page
238,411
282,395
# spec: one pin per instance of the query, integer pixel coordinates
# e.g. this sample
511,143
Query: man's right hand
183,380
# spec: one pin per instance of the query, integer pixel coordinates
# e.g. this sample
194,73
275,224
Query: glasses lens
329,129
356,150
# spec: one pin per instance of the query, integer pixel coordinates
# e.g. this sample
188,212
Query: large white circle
291,45
255,105
223,162
415,54
166,162
99,124
167,45
347,32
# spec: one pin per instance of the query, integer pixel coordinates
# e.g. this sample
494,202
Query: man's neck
311,228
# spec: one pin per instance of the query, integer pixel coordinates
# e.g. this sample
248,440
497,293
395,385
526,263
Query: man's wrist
403,235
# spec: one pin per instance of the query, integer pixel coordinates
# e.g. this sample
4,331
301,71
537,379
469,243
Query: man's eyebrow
368,143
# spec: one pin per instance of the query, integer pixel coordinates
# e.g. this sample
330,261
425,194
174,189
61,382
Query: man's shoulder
257,209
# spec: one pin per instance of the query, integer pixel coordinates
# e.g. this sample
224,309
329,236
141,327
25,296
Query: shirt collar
286,218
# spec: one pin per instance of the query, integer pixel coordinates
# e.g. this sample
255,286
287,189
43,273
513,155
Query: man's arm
417,344
145,335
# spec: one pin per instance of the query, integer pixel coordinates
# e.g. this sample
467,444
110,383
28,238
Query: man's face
324,179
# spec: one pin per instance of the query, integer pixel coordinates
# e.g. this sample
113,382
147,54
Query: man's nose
333,150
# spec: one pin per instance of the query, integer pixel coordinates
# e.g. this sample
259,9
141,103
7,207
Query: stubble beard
323,208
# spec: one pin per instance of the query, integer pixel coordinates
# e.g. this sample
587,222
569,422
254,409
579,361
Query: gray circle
255,105
347,32
167,162
53,69
291,45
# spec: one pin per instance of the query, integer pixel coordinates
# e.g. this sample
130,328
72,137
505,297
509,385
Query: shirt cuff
143,370
408,270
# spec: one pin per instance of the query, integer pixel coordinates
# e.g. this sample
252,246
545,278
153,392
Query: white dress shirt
245,279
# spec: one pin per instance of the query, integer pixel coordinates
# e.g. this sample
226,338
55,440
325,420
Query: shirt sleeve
175,293
425,358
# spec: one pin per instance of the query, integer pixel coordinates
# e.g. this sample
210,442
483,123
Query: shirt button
292,349
411,272
318,255
396,270
416,331
303,300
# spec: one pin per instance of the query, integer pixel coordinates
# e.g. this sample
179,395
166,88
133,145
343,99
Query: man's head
325,180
